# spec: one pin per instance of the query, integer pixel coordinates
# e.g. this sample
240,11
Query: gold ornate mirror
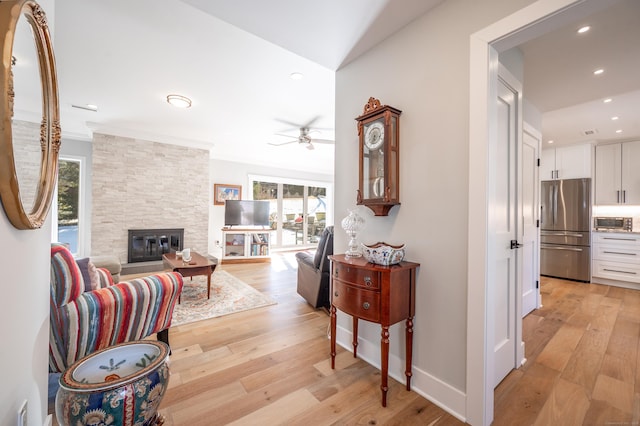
29,114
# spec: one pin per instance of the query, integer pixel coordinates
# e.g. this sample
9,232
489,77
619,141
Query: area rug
228,295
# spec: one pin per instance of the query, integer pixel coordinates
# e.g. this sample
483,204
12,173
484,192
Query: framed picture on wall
223,192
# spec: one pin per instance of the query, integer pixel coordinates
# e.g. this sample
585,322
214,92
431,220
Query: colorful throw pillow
89,274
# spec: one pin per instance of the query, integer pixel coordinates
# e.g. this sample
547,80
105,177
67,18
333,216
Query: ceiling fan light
179,101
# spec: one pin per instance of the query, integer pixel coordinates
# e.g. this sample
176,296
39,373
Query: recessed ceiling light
598,71
584,29
619,131
296,76
614,118
550,141
179,101
606,101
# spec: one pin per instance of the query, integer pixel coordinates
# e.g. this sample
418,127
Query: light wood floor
582,359
270,366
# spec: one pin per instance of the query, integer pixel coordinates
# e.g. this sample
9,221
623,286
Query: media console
246,245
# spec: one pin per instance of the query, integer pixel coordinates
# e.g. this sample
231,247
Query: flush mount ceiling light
584,29
606,101
179,101
296,76
598,71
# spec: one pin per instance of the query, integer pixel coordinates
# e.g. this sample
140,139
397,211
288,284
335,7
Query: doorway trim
483,65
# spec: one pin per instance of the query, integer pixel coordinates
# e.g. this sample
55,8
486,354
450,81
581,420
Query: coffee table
199,265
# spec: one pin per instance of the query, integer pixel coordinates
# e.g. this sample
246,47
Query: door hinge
538,162
537,284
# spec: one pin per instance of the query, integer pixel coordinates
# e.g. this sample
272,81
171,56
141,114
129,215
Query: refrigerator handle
555,204
624,196
618,197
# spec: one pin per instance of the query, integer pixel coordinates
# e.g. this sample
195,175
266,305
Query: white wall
424,71
24,312
238,174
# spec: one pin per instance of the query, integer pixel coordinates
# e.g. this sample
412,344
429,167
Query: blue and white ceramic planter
383,254
119,385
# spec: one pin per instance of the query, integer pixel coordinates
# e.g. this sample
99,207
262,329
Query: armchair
313,271
84,321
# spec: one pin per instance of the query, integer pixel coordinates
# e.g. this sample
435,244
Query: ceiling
234,59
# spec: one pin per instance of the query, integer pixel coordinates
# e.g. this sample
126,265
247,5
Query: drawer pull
618,239
366,305
335,294
618,252
621,272
335,272
367,281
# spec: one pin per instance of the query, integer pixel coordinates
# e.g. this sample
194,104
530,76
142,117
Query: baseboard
424,384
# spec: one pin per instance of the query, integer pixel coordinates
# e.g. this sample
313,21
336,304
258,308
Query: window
67,205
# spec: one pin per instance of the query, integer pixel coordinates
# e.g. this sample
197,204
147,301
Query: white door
504,217
530,215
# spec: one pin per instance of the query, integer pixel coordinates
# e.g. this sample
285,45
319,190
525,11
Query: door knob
515,244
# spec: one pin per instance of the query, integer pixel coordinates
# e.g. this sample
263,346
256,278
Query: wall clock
379,157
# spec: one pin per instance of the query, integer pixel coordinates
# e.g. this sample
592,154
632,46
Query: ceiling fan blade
325,141
286,136
282,143
310,122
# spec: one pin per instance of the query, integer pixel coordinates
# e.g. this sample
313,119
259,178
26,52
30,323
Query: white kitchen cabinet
616,256
617,179
566,162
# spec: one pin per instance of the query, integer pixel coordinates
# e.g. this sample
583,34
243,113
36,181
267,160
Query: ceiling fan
305,137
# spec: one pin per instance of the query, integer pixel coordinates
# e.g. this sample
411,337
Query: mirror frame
28,217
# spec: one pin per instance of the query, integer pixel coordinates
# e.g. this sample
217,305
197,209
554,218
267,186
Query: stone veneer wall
27,155
139,184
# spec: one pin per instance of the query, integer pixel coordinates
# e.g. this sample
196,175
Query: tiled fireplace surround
138,184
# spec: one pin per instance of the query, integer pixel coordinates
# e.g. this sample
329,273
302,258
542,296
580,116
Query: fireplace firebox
150,244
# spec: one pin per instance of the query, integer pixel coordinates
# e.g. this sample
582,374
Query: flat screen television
246,213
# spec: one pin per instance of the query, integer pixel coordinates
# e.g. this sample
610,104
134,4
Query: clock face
374,135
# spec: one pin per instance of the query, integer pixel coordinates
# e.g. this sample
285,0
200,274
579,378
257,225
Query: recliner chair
314,271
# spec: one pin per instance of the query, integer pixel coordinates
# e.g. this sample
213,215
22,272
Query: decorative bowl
118,385
383,254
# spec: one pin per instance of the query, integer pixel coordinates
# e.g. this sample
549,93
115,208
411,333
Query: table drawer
356,301
357,276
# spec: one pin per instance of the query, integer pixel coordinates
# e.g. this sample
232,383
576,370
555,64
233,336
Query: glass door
299,211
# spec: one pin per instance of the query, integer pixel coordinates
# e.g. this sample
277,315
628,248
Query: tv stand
246,245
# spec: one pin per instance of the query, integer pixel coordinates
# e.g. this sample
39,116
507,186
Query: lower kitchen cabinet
616,259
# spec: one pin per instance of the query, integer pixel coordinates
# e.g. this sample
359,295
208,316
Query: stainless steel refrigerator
565,229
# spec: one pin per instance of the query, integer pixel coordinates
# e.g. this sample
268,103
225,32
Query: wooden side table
381,294
199,265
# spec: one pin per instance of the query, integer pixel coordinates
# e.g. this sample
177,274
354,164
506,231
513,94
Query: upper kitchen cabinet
566,162
618,173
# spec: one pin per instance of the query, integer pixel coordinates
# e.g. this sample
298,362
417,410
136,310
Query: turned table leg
355,337
384,357
409,351
333,337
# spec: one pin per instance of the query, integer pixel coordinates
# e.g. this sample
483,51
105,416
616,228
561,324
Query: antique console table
381,294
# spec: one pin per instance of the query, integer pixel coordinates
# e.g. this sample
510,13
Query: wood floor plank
614,392
566,405
560,348
281,411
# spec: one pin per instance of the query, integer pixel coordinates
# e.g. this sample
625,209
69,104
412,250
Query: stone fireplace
150,244
145,185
